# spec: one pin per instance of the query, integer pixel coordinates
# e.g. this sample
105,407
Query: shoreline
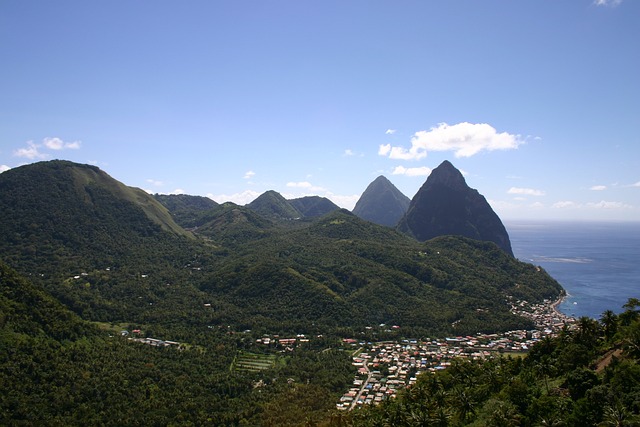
554,306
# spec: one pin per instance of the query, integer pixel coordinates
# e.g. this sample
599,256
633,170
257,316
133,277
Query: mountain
60,218
272,205
313,206
188,211
230,224
343,270
338,270
382,203
446,205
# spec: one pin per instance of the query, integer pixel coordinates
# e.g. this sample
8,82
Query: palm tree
609,322
464,403
588,330
618,416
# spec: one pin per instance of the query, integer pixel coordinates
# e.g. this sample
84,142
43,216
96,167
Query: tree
609,322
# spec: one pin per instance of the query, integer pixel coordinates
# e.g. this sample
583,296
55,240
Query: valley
250,315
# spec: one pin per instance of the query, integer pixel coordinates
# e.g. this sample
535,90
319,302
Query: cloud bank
464,139
526,191
421,171
33,151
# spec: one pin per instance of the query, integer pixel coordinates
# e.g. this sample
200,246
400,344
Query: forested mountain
382,203
445,205
345,271
60,216
313,206
65,221
93,257
272,205
188,211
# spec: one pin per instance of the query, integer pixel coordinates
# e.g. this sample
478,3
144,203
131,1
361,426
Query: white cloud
598,188
4,168
612,3
242,198
464,139
177,191
421,171
383,150
349,152
526,191
608,205
155,182
565,204
249,174
302,184
31,152
58,144
390,131
346,202
305,185
637,184
592,205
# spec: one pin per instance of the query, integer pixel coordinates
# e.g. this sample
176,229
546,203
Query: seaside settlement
386,367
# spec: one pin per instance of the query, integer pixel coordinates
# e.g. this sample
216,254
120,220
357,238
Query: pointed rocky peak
446,205
446,174
382,203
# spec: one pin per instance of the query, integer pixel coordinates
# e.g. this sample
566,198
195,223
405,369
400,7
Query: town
386,367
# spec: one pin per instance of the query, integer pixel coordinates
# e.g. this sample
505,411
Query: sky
537,102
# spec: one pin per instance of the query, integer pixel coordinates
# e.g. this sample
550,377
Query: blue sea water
597,263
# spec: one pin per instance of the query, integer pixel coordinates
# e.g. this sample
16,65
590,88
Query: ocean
597,263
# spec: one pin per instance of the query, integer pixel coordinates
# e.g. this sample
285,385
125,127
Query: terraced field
252,362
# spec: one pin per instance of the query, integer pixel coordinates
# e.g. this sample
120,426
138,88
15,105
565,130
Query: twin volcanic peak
446,205
382,203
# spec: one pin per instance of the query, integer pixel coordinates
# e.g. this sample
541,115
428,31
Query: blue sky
537,102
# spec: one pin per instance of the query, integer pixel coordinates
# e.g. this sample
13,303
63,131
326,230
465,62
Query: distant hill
382,203
231,224
188,211
445,205
313,206
273,205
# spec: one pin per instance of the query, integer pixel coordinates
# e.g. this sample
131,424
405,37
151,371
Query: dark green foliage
88,249
188,211
313,206
341,270
273,206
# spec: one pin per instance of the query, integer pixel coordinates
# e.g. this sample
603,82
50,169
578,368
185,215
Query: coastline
554,307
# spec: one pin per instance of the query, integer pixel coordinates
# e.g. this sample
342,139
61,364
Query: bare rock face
446,205
382,203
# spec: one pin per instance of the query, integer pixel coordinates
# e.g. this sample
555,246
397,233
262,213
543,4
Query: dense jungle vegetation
84,257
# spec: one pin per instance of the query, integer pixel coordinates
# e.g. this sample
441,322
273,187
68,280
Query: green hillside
87,257
273,206
344,271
